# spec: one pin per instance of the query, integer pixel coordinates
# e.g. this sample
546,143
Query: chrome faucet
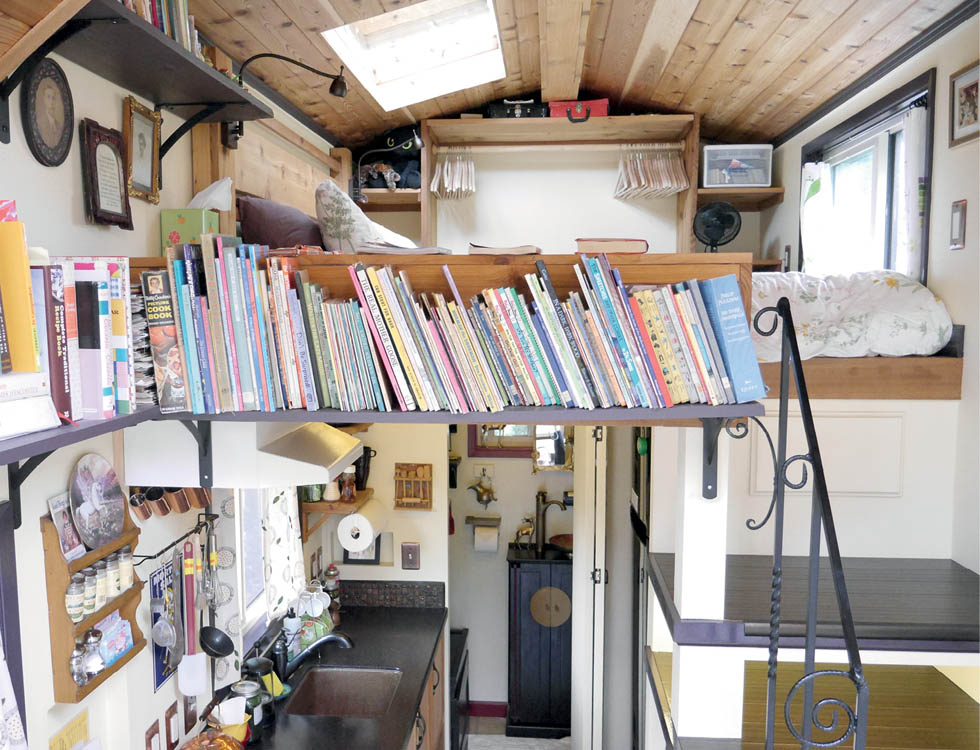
286,666
541,505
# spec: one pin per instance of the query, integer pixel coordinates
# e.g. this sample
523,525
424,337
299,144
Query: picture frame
47,113
957,226
141,134
370,556
104,175
964,107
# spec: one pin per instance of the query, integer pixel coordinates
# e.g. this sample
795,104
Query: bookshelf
744,199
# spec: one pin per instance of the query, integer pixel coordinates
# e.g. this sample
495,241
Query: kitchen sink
344,691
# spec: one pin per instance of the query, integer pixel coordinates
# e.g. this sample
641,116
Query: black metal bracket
17,474
207,109
203,521
710,429
201,431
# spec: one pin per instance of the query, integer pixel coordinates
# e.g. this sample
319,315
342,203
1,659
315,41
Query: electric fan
717,223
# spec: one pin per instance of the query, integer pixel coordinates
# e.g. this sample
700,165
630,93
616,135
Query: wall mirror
552,449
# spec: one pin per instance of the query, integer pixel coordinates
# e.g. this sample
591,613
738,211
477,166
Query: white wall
953,275
478,581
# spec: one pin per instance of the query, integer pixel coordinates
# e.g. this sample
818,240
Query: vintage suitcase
515,108
580,111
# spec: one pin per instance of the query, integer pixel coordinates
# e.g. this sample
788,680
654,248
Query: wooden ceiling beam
563,26
661,35
624,30
18,40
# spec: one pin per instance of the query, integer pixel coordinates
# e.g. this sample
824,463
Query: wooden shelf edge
744,199
134,591
129,536
326,509
83,691
382,199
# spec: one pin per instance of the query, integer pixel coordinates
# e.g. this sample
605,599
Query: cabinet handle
419,724
438,679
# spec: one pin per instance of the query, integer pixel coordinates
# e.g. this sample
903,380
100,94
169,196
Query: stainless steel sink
344,691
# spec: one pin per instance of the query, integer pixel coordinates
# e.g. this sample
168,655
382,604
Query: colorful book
723,303
185,317
94,345
48,288
694,289
18,306
216,326
71,332
168,368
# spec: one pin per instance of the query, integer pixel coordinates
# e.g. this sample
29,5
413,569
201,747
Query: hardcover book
49,310
723,303
18,306
5,364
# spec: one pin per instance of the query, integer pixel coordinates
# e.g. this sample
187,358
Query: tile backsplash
393,594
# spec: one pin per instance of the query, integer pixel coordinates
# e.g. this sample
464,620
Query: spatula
192,672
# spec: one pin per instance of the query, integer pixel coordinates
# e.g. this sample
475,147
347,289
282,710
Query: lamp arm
261,55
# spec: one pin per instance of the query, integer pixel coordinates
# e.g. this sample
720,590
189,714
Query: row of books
172,17
66,337
228,335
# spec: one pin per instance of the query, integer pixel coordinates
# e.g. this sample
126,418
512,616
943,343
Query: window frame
888,106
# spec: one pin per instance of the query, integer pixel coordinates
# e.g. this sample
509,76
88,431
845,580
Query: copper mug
198,497
157,500
138,506
177,498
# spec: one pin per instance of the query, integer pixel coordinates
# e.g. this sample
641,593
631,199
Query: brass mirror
552,448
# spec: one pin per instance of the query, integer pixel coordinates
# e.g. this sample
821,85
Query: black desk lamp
357,184
230,133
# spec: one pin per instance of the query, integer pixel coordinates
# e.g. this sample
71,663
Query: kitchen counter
400,637
528,554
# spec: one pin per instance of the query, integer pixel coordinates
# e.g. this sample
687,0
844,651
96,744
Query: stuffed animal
371,174
405,161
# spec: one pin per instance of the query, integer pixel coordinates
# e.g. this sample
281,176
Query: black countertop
400,637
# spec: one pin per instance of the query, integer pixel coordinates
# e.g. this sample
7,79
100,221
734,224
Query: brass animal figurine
484,494
525,531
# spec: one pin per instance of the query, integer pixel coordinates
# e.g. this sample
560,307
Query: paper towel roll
358,530
485,538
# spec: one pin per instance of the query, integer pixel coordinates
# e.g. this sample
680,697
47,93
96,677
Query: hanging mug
199,497
177,498
157,500
362,467
138,506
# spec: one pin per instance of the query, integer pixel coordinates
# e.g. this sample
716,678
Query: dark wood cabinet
539,698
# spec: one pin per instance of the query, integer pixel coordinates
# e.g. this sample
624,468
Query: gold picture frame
141,135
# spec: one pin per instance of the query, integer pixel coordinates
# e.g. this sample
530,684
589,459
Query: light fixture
357,183
230,133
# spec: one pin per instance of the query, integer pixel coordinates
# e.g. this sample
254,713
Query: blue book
501,371
194,286
250,333
187,331
365,341
723,303
236,307
605,393
564,392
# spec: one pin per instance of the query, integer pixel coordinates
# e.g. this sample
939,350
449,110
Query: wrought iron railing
832,716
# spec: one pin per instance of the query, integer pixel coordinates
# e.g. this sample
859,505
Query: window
422,51
865,192
251,544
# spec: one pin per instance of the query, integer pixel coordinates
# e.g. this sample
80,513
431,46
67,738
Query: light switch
410,556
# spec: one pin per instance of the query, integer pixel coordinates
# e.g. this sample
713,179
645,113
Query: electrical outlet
173,728
483,470
153,736
411,557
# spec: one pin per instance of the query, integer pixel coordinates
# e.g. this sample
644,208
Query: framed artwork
957,226
104,175
47,113
141,133
369,556
964,121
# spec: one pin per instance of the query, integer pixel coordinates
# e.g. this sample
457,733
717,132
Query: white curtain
11,730
285,575
908,252
228,606
816,219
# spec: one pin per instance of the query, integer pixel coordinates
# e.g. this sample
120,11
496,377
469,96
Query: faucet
286,666
541,505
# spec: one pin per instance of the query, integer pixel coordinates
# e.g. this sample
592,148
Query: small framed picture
964,121
141,133
104,175
369,556
957,226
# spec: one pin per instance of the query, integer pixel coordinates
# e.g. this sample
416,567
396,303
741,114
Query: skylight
422,51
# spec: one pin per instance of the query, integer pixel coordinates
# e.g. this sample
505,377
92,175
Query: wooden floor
890,598
911,708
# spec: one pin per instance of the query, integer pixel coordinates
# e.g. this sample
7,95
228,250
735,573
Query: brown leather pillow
265,222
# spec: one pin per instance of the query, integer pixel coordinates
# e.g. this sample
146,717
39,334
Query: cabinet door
560,682
413,740
437,692
530,657
425,714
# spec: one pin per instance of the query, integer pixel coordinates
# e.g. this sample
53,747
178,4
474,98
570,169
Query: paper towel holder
484,520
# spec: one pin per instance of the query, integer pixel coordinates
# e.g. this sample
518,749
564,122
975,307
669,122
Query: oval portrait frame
49,156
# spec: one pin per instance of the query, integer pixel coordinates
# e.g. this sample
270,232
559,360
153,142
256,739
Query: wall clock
47,113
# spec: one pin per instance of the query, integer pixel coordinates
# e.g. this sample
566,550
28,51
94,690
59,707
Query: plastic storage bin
747,165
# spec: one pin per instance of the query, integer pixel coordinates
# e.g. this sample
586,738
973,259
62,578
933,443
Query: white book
27,415
270,337
18,385
285,335
559,344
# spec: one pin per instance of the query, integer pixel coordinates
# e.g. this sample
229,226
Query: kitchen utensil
215,642
98,504
212,574
138,506
199,562
162,632
177,652
192,672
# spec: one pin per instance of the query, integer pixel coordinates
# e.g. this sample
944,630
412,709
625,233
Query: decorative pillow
873,313
343,225
266,222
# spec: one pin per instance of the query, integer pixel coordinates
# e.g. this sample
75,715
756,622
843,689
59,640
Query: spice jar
112,576
125,568
254,702
332,583
101,584
89,605
348,484
93,658
75,598
76,663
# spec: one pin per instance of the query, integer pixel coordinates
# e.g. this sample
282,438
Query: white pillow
343,225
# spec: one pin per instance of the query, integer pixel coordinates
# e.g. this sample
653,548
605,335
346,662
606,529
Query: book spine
222,370
684,302
694,289
694,392
59,377
225,292
279,394
193,368
209,350
439,347
389,321
509,314
396,374
302,355
385,403
518,389
336,356
246,370
635,336
594,318
602,374
653,362
18,385
108,370
486,349
458,317
428,369
352,356
309,326
15,283
494,400
687,339
364,356
197,330
316,293
666,348
485,317
582,339
549,390
251,327
370,363
183,401
284,331
573,379
723,302
408,340
658,347
5,363
264,363
467,376
565,394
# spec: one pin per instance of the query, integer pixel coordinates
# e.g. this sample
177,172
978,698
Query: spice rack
63,631
325,509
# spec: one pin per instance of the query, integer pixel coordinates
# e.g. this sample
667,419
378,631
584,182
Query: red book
57,335
651,354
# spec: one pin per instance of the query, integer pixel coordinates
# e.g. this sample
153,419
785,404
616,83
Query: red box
580,110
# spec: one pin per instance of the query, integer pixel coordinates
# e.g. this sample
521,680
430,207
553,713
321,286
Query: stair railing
828,715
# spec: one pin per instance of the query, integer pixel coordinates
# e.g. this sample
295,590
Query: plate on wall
97,502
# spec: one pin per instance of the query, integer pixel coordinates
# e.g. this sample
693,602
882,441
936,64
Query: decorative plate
47,113
97,501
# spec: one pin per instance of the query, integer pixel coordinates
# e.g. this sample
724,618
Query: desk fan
717,223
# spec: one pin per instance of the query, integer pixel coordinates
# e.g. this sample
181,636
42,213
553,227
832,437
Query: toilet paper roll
358,530
485,538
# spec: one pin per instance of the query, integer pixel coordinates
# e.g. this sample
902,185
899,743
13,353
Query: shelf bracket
207,109
11,82
17,474
201,431
710,430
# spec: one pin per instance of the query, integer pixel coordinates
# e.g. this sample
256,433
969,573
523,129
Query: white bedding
873,313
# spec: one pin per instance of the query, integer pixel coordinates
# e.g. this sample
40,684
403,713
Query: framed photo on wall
141,134
104,175
964,120
47,112
369,556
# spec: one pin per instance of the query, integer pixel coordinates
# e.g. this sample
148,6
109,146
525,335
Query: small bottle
112,576
93,658
291,625
348,484
101,584
75,598
332,584
125,568
76,663
89,605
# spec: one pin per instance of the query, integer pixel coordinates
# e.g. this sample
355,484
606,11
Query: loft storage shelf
554,130
382,199
744,199
149,63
